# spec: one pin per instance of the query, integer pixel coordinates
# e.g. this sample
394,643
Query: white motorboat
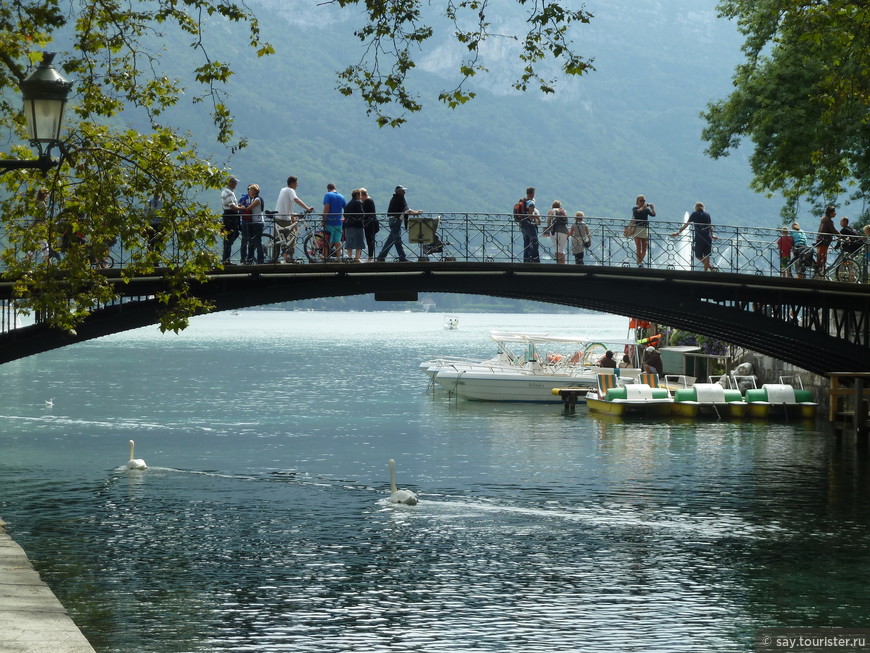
527,368
451,322
505,357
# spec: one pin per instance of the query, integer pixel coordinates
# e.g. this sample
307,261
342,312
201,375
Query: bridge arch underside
818,326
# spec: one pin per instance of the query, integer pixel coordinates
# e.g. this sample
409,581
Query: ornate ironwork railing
489,237
749,250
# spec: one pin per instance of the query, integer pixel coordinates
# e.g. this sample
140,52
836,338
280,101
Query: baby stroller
435,247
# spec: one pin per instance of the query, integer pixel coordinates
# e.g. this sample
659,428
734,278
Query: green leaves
802,98
121,150
393,32
110,170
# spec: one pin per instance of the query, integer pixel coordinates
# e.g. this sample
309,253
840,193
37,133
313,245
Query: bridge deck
817,325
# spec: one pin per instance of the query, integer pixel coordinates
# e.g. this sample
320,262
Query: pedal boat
782,400
631,399
709,399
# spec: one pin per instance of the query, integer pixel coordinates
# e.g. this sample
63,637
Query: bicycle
281,244
845,267
103,263
99,256
316,245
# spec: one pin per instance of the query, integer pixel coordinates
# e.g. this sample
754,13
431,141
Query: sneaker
381,260
228,263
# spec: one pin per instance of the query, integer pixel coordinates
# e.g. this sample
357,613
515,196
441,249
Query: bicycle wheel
270,249
846,271
316,247
104,263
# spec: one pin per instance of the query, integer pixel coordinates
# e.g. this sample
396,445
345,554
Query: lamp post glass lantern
45,94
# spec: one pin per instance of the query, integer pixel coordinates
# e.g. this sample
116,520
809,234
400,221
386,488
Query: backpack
521,211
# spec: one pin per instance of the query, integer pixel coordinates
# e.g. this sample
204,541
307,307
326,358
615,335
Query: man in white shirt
232,219
285,218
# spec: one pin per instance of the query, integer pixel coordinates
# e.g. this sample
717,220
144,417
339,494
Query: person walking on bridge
850,241
333,217
702,235
580,238
557,228
640,216
232,218
286,219
371,226
784,245
827,231
398,213
800,250
252,230
529,219
354,238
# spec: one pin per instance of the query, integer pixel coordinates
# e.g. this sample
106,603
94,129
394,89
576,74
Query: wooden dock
848,402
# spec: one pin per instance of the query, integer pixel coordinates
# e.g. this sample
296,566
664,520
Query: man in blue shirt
333,208
529,229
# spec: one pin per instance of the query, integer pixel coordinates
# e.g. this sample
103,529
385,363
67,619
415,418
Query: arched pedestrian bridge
816,324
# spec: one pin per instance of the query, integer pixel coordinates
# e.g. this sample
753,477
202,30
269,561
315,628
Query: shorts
702,248
641,232
784,261
354,238
560,241
334,231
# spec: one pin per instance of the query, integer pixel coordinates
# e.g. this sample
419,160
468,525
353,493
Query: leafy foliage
122,148
802,97
109,170
708,345
395,27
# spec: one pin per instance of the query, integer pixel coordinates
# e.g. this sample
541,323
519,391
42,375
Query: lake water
261,522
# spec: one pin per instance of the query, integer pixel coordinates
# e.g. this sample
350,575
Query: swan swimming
49,402
400,496
135,463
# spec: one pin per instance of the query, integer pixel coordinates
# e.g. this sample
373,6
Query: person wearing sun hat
652,362
398,213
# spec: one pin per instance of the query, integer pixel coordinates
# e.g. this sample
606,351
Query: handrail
497,237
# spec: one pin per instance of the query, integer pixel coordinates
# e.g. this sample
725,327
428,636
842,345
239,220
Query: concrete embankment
32,620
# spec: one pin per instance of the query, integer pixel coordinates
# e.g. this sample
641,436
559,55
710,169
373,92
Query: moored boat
526,369
632,399
709,399
505,357
780,399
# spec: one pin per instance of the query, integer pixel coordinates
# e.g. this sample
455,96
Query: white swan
49,402
135,463
400,496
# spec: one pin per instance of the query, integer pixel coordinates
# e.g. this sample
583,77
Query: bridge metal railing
491,237
749,250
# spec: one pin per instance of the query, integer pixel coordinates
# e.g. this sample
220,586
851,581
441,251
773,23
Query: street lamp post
45,93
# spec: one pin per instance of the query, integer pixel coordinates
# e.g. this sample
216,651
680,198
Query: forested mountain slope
631,126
